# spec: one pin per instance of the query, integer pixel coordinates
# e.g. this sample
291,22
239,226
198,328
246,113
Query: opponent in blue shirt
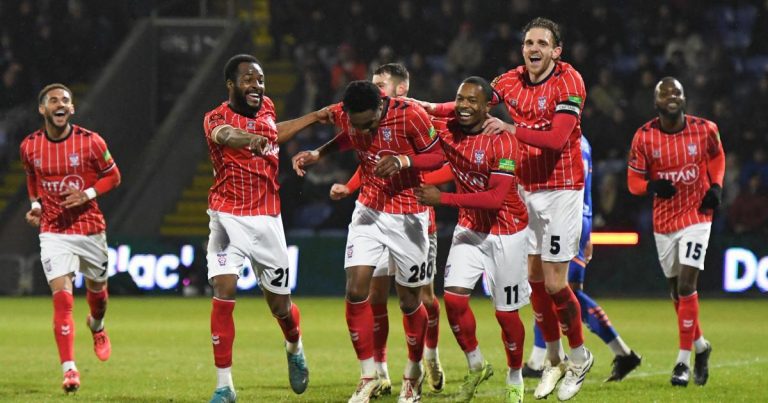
591,313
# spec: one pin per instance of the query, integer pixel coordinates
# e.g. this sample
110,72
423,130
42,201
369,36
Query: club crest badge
479,156
692,150
656,153
38,163
542,103
222,257
386,133
74,160
251,125
350,251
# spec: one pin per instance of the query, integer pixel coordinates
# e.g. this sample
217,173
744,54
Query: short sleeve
571,93
102,159
212,121
637,160
420,129
714,145
506,155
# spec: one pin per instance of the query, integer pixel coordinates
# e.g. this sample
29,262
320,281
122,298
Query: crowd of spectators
44,41
717,49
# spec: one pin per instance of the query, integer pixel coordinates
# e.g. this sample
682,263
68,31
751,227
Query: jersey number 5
554,244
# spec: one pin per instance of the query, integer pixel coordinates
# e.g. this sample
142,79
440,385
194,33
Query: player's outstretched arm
552,139
229,136
308,157
490,199
288,129
439,176
441,110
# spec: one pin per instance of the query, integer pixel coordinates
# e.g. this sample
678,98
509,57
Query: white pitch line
756,360
530,384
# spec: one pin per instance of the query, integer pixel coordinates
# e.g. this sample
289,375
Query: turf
162,352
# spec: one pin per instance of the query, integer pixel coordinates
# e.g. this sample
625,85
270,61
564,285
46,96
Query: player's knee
685,290
280,307
356,293
553,287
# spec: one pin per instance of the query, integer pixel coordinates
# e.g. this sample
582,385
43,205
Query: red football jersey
404,129
244,184
682,158
473,159
534,106
74,161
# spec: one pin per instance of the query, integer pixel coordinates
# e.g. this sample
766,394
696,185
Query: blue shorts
578,263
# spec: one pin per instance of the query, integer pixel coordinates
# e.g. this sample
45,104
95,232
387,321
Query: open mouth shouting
254,98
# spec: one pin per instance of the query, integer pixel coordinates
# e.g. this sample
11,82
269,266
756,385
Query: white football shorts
687,246
63,254
554,223
375,237
260,239
502,257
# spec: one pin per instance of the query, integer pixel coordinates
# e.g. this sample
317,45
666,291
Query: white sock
618,347
367,368
475,359
515,377
700,344
382,370
293,348
684,356
224,378
430,353
67,365
412,370
538,355
578,355
96,324
555,352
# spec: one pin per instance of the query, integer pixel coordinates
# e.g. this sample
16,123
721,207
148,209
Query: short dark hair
50,87
483,84
546,23
361,96
230,69
395,70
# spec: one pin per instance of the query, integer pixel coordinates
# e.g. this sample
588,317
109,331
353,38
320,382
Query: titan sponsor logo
688,174
69,181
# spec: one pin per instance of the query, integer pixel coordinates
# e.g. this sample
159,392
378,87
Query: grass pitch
161,352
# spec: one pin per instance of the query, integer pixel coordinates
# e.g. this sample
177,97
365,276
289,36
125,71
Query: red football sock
97,301
569,315
360,325
687,317
544,312
697,330
462,320
513,335
290,324
380,331
433,323
63,325
222,332
415,325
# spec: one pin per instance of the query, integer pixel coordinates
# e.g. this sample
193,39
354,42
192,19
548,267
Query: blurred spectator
749,211
346,69
465,53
